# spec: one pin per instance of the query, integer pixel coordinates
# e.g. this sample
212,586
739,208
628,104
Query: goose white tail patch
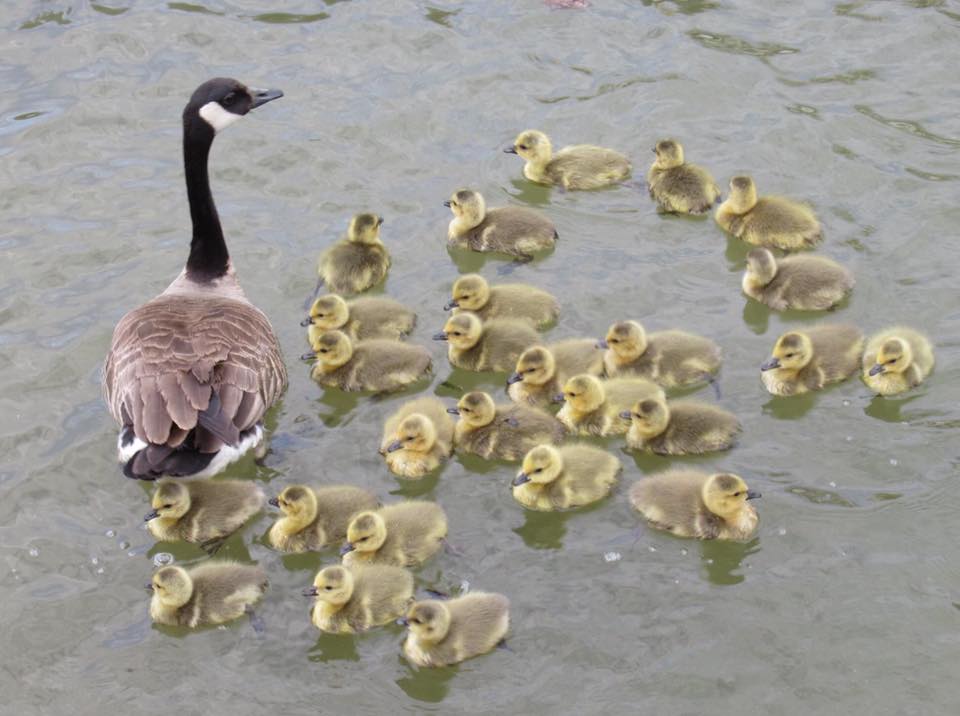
227,454
217,117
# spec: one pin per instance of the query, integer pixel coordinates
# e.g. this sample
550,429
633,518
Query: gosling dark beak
510,150
753,494
625,414
771,364
274,502
309,592
394,446
877,369
520,479
450,304
402,621
347,547
262,96
379,221
453,411
558,398
441,336
148,586
602,343
514,378
306,321
309,356
446,204
151,515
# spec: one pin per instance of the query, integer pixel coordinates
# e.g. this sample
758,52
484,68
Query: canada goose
447,632
800,283
361,318
202,510
896,359
593,407
315,517
354,599
679,187
417,438
558,478
694,504
210,593
191,372
376,365
582,166
680,428
812,358
670,358
773,221
357,262
513,230
502,432
509,300
405,534
481,346
541,370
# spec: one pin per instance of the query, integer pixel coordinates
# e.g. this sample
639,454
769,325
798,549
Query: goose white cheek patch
217,117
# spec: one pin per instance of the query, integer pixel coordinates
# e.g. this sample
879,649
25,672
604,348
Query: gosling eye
324,350
539,469
614,340
789,355
408,438
166,507
737,494
892,360
328,587
522,146
457,333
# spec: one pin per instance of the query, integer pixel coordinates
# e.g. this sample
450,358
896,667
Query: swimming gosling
669,358
313,518
358,262
417,438
593,407
799,283
677,186
364,318
560,478
406,534
513,230
502,432
680,428
210,593
447,632
486,346
693,504
812,358
375,365
518,301
581,166
202,511
541,371
896,359
358,598
771,221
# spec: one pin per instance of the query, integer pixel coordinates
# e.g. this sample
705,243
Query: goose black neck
208,250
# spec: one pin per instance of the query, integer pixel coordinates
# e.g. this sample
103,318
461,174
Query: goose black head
222,101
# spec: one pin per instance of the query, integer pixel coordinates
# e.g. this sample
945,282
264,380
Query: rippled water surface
847,599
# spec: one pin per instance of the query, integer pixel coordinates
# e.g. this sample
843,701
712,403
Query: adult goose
191,373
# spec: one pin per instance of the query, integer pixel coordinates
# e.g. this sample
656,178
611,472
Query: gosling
210,593
681,428
406,534
669,358
594,407
811,359
355,599
358,262
376,365
679,187
511,300
512,230
560,478
896,359
486,346
541,371
799,283
202,511
442,633
693,504
417,438
771,221
582,166
502,432
316,517
365,318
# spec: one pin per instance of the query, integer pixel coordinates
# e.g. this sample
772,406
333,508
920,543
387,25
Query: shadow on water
334,647
460,382
417,488
543,530
185,553
756,316
736,254
468,261
790,408
721,559
430,685
887,409
476,464
530,193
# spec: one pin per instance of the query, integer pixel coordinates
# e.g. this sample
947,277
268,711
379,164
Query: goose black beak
514,378
521,479
450,304
771,364
602,343
625,414
309,592
306,321
453,411
274,502
446,204
510,150
753,494
151,515
877,369
347,547
441,336
394,446
262,96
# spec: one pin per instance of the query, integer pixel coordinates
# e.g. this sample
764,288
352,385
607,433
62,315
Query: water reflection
430,685
888,409
334,647
543,530
530,193
421,488
756,316
789,408
721,559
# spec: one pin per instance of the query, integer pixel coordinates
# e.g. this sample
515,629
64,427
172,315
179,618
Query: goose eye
230,98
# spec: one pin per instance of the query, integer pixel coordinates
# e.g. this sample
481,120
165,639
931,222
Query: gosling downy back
771,221
405,534
812,358
541,371
581,166
896,359
592,406
669,358
516,301
313,518
512,230
677,186
358,262
799,283
447,632
564,477
417,438
354,599
364,318
210,593
375,365
491,346
200,511
502,432
680,428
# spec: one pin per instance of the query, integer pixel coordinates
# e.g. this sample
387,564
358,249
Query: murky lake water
847,599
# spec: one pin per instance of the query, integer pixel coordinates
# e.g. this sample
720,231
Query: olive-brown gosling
679,187
896,359
694,504
799,283
680,428
541,371
441,633
510,300
559,478
354,599
417,438
594,407
502,432
812,358
486,346
670,358
210,593
202,511
772,221
358,262
513,230
315,517
361,319
375,365
581,166
406,534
